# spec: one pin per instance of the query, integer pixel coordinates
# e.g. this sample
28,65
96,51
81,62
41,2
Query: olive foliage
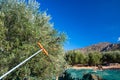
22,25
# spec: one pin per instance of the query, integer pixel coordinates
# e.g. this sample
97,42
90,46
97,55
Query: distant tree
111,57
75,57
94,58
117,56
86,59
68,57
22,25
79,57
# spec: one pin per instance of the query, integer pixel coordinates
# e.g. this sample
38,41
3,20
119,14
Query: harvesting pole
41,49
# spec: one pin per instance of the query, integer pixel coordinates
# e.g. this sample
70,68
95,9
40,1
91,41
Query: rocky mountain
111,47
104,46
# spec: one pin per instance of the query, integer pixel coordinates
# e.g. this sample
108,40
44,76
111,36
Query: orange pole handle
42,48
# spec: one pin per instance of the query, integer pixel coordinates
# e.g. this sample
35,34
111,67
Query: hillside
103,46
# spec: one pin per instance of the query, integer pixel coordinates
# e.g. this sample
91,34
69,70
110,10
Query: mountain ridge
101,47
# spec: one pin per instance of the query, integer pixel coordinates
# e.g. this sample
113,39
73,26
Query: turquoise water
73,74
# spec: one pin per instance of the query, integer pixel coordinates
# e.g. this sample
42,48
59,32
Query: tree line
92,58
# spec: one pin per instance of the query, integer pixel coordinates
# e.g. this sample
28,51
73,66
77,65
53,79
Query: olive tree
22,25
94,58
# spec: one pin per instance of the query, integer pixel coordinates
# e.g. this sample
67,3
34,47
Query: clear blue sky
85,22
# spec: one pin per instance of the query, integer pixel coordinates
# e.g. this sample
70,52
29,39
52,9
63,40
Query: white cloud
118,38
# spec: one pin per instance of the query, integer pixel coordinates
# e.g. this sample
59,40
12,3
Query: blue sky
85,22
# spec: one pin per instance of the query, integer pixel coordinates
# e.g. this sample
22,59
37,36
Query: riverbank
95,67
